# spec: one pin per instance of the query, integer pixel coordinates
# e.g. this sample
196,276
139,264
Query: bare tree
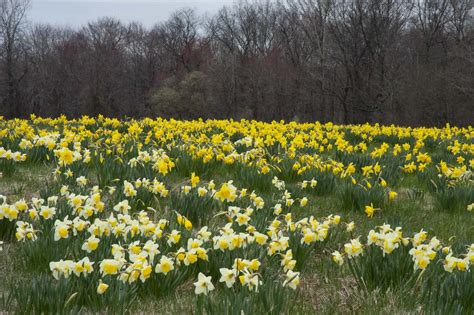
432,19
179,35
107,66
351,61
12,22
365,34
47,80
311,19
461,17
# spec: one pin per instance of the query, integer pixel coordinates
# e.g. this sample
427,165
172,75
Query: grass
325,288
368,284
26,182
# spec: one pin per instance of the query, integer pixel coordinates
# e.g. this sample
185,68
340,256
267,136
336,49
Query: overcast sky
78,12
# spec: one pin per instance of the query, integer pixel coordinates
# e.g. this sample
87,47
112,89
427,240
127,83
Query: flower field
234,217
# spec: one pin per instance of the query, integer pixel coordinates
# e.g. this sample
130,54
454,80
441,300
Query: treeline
348,61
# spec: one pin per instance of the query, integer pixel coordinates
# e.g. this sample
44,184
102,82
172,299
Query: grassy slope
324,288
25,183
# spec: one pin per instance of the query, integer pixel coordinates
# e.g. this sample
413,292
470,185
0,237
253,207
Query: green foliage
107,168
40,294
7,230
44,295
7,167
448,293
326,185
166,100
248,176
197,209
160,285
271,298
452,199
375,271
185,98
356,197
286,171
186,164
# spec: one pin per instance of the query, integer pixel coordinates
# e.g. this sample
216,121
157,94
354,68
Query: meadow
100,215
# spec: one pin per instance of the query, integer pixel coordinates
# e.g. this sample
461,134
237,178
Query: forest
408,62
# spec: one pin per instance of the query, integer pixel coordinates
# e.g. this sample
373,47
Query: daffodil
227,192
194,180
228,276
353,249
102,287
203,285
91,244
292,279
350,226
370,210
61,230
392,195
110,266
165,265
337,258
